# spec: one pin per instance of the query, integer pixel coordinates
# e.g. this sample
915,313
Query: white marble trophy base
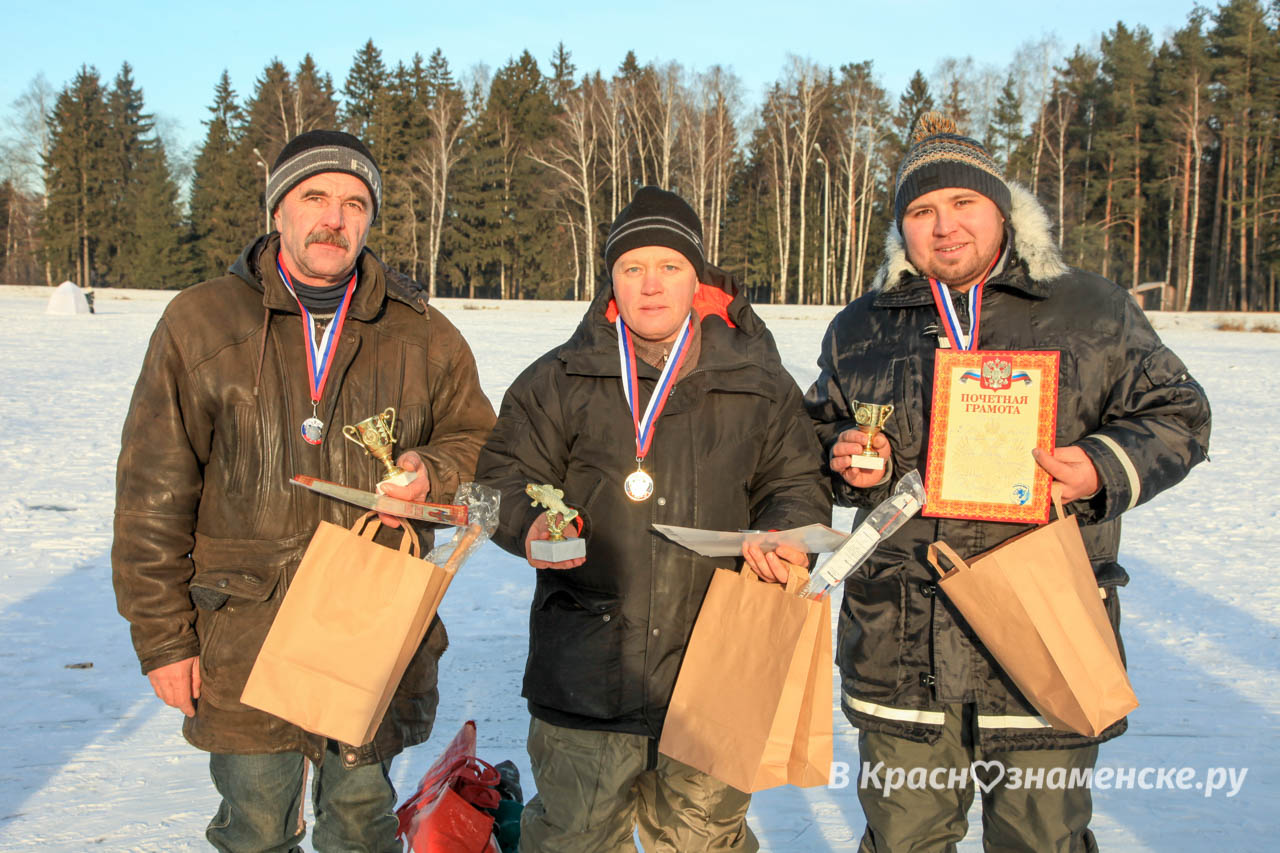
404,478
870,463
555,552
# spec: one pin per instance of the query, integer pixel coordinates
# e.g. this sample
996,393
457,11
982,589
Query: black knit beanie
940,157
319,151
656,217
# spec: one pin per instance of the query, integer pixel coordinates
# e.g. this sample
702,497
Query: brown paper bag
351,621
1034,603
752,704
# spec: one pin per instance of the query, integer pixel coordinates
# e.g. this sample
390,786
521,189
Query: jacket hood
399,286
1033,245
596,321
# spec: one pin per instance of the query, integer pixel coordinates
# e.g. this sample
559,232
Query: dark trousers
1025,807
595,789
261,810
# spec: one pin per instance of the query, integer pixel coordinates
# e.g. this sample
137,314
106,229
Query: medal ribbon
319,353
951,320
631,386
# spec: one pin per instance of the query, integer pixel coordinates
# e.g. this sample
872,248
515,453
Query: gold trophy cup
376,435
556,549
870,418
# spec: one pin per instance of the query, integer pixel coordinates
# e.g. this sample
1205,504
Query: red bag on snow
443,815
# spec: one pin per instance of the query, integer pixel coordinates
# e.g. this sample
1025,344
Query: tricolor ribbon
631,385
319,353
951,320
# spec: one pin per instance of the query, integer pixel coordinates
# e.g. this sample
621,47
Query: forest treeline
1156,162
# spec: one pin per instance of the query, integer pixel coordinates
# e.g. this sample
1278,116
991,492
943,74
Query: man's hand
415,491
178,684
538,530
851,443
1071,467
770,566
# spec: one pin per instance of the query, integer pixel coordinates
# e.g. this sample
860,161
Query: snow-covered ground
91,760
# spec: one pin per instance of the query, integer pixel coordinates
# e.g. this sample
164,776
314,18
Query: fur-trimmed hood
1032,244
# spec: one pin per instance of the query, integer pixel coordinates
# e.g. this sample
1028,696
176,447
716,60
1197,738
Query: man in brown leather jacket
248,380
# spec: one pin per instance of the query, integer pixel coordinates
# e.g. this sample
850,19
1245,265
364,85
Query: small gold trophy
559,515
870,417
376,435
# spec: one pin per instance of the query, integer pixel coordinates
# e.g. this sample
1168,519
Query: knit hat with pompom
940,157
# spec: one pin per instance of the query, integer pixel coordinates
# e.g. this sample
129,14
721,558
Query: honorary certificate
989,410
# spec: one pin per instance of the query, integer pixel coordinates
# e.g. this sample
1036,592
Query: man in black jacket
725,445
917,682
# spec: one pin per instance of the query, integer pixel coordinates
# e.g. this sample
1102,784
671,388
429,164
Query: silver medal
313,430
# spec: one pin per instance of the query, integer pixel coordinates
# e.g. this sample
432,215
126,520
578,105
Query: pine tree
1006,126
914,102
502,204
400,121
1081,87
444,126
142,238
561,79
1245,54
1127,69
77,180
157,256
955,105
317,104
284,106
1181,129
226,188
373,112
126,140
362,94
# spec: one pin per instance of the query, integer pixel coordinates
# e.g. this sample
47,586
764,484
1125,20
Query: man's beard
956,275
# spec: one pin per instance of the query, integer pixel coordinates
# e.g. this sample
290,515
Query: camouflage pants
596,788
1039,818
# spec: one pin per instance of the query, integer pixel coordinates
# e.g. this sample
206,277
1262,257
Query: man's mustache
327,235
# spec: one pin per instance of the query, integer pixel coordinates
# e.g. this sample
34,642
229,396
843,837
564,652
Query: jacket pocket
575,650
239,584
231,635
242,447
909,400
872,632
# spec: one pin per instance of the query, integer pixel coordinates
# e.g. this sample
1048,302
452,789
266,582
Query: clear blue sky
178,50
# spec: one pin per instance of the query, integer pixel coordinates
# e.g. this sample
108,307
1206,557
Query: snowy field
91,760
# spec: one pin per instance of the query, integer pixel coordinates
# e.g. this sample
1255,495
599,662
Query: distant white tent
67,299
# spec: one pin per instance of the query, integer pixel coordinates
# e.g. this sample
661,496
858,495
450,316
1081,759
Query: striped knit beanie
940,157
656,217
319,151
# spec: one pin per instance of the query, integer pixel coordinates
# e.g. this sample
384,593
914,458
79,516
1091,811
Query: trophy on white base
376,435
870,418
559,515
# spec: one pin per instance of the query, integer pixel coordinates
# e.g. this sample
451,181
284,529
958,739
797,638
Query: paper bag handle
367,527
1055,490
949,553
797,577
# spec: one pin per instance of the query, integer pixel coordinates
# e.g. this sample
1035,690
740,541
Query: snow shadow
1185,652
71,680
